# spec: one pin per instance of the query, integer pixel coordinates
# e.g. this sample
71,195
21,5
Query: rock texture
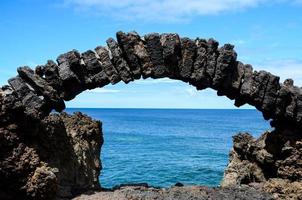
43,155
200,62
179,193
58,157
273,162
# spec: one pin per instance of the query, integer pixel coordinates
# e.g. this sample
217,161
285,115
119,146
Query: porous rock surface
199,62
273,163
46,156
179,193
57,157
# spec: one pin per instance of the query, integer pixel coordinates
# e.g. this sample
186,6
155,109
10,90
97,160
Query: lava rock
94,75
188,51
117,58
171,53
108,67
199,76
35,106
155,50
225,67
42,87
70,69
128,43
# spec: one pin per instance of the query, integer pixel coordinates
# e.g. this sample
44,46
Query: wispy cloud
103,90
164,10
156,81
191,91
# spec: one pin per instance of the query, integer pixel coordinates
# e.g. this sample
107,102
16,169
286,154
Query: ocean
164,146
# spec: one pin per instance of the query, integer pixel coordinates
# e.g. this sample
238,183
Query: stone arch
200,63
31,96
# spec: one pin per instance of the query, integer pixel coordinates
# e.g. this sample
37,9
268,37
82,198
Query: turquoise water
164,146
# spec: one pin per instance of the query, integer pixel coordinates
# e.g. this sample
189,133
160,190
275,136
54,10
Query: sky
266,34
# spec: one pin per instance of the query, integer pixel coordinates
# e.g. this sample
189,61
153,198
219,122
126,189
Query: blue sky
266,34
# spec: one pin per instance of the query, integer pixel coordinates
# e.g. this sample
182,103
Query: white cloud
103,90
155,81
284,68
164,10
191,91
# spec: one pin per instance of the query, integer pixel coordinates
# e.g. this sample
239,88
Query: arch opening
163,146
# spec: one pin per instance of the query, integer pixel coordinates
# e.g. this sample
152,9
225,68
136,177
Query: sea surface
164,146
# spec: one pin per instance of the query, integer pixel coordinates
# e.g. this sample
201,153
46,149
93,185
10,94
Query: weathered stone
283,98
108,67
232,86
59,161
155,50
69,69
212,55
118,61
35,106
50,73
171,53
269,99
254,87
94,75
276,158
246,84
199,77
72,144
188,51
42,87
11,108
290,110
225,67
128,42
145,192
299,106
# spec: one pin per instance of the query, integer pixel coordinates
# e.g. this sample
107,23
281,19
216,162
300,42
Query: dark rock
171,53
59,161
273,160
246,84
178,184
155,50
42,87
179,193
94,75
269,99
11,108
50,73
225,67
108,67
35,106
69,69
118,61
188,51
212,55
283,98
129,43
199,76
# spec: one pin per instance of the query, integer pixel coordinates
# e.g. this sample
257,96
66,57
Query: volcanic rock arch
31,96
201,63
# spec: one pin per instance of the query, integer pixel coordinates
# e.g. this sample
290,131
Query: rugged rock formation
201,63
179,193
43,155
56,157
272,162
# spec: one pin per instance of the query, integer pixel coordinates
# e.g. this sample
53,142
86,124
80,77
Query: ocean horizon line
164,108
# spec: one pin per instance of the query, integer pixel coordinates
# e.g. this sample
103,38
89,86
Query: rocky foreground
179,193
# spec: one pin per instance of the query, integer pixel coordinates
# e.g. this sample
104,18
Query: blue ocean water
164,146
